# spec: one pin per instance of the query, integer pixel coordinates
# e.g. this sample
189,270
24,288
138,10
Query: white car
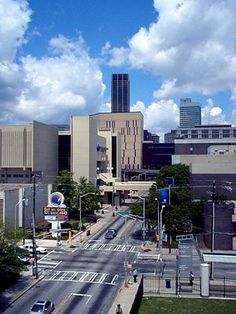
42,307
29,247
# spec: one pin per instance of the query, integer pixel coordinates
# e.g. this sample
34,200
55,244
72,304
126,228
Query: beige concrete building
27,149
130,127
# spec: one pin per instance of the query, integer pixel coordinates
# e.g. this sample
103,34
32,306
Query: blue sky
57,57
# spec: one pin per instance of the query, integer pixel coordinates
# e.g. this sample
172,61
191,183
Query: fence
155,284
223,287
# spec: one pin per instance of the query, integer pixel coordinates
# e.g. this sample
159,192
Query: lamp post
158,218
35,264
213,227
80,211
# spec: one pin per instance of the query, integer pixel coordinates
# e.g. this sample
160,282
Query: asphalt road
85,279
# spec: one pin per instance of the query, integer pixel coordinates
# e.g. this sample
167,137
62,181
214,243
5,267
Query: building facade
222,131
190,113
26,150
120,93
130,127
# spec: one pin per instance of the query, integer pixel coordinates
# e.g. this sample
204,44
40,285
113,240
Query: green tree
67,186
10,264
73,190
186,214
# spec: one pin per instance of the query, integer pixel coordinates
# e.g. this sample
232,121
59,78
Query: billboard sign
164,196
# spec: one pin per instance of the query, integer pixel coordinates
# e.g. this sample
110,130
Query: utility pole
35,264
213,226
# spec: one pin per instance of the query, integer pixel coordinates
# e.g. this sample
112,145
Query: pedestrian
135,274
191,278
119,309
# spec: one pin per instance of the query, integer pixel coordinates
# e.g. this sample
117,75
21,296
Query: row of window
208,133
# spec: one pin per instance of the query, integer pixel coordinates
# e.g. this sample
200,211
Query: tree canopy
72,191
184,212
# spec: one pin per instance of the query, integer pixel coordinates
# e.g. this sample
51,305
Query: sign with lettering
54,211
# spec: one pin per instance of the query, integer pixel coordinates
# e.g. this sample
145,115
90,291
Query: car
110,234
24,259
29,247
42,307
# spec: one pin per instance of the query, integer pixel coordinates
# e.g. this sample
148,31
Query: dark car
110,234
42,307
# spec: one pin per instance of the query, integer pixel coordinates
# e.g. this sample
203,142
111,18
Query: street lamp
80,211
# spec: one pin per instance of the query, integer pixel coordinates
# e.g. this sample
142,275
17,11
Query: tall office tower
190,113
120,93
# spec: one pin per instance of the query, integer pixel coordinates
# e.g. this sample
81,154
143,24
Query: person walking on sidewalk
191,278
135,274
119,309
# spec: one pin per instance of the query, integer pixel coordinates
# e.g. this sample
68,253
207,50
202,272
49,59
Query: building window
226,133
205,134
194,134
215,133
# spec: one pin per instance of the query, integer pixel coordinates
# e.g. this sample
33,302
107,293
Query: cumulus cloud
157,117
212,114
15,16
68,83
191,46
51,88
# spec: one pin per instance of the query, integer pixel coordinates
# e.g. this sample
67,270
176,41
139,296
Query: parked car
24,259
29,247
110,234
42,307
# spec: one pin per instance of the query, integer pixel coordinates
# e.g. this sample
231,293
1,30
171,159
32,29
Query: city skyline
57,59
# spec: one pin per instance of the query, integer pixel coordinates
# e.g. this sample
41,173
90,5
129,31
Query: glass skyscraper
120,95
190,113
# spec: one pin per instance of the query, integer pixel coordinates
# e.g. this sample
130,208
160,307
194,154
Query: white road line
102,246
89,296
114,279
117,248
82,278
101,280
123,248
87,245
64,275
57,264
73,276
92,278
93,246
55,275
132,248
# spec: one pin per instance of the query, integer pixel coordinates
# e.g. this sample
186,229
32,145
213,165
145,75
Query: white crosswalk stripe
111,247
88,277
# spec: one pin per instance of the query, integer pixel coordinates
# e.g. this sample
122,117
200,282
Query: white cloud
157,117
69,83
212,114
191,47
14,18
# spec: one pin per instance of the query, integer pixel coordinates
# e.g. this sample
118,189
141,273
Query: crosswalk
77,276
110,247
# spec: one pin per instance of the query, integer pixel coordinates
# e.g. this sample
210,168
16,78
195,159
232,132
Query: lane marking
114,279
89,296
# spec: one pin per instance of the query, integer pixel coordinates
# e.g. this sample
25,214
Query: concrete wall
17,213
27,148
83,147
45,151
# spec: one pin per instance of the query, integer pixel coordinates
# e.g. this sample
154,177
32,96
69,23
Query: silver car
42,307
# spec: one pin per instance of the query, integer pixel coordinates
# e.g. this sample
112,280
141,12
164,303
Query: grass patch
186,306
